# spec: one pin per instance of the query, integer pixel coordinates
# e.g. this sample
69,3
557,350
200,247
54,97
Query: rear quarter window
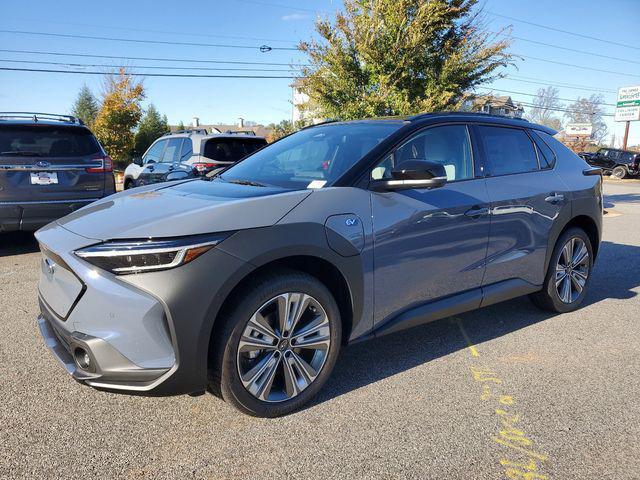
47,141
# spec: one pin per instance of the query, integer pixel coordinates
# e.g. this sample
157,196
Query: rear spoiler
592,171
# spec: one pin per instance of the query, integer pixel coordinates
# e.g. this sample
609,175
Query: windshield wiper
247,182
21,153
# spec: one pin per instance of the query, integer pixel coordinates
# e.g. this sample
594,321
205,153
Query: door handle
477,212
555,198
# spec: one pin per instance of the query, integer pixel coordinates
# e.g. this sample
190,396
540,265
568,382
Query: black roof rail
461,112
38,116
240,132
201,131
324,122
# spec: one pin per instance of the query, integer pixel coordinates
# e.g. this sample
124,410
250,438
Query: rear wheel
568,274
128,183
278,346
619,172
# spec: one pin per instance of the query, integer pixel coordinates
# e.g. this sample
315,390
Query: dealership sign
628,104
579,129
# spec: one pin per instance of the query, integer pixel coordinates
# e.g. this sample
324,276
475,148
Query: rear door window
508,150
47,141
187,150
231,149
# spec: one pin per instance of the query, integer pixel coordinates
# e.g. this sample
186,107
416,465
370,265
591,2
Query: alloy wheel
283,347
572,270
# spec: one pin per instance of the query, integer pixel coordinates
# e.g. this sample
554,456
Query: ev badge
350,222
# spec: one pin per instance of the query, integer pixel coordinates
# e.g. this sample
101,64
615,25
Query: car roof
437,117
36,118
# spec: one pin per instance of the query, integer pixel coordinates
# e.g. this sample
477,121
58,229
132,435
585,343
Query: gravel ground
501,392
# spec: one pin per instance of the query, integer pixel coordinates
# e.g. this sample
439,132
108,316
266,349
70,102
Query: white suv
194,151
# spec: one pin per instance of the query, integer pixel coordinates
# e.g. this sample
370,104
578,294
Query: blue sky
281,23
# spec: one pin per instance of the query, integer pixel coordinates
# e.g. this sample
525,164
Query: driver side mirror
413,174
138,161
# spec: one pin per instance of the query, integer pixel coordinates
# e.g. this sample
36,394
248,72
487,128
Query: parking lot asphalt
503,392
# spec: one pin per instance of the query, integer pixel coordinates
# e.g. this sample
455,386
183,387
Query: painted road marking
509,434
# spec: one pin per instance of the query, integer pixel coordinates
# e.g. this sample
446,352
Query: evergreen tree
152,126
181,126
86,106
399,57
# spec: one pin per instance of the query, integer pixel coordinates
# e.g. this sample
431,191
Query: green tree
282,129
86,106
152,126
119,115
181,126
398,57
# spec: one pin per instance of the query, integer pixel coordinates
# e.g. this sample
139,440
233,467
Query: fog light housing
83,359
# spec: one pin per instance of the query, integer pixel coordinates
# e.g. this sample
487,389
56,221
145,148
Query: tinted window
46,141
232,149
153,155
187,150
320,154
545,154
448,145
171,154
508,150
626,157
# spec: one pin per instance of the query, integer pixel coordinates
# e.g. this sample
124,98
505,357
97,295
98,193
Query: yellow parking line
470,345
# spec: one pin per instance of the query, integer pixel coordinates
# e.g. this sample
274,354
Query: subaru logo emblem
42,164
350,222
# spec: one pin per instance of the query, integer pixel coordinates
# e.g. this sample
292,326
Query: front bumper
146,333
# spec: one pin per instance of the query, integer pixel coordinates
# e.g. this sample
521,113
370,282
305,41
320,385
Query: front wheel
619,172
568,274
278,346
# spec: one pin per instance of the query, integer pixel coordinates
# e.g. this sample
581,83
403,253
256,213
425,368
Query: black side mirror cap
413,174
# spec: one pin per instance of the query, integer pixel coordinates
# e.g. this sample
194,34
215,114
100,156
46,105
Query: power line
563,31
176,75
540,81
535,95
155,59
560,47
262,48
531,105
577,66
155,67
163,32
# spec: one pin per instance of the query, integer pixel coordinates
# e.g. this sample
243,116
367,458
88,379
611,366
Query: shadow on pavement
616,274
610,201
17,243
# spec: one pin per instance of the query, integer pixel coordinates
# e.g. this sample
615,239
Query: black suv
618,163
50,165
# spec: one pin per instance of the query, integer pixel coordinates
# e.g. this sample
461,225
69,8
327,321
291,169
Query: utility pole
626,135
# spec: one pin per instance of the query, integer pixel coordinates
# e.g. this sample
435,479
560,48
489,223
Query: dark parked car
618,163
50,165
250,284
191,153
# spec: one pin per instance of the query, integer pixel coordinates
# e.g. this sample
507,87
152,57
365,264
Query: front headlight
134,256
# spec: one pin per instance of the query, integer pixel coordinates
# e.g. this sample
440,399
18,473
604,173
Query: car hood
182,208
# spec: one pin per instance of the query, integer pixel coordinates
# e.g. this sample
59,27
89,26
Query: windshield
319,155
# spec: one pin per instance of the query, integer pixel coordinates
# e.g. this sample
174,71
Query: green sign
629,103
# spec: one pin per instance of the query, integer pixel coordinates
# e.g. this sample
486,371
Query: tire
619,172
232,366
549,298
128,183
